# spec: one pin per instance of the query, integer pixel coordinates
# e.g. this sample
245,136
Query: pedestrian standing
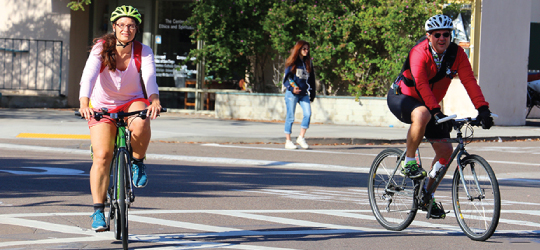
299,82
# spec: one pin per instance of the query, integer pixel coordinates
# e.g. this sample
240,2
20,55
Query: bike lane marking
209,231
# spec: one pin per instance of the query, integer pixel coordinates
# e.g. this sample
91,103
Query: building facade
44,46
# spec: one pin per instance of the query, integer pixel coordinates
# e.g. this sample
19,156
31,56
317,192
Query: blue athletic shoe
98,221
139,175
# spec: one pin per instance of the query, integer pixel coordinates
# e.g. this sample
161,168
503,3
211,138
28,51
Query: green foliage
76,5
233,34
357,45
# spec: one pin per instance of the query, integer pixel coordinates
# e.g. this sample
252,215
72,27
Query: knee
139,126
421,115
102,157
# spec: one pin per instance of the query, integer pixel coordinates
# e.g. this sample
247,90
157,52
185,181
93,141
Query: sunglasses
438,35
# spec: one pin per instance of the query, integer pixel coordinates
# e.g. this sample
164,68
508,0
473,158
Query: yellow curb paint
53,136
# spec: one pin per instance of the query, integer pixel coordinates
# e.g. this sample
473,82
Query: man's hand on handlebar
484,116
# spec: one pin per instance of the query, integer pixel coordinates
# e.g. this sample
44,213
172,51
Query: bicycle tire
479,217
114,199
400,212
122,188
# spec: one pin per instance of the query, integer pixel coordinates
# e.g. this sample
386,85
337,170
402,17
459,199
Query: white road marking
301,223
284,149
208,231
179,224
212,160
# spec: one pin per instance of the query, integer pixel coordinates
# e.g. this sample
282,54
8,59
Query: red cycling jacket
423,68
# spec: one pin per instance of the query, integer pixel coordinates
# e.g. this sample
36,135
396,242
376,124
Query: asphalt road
247,196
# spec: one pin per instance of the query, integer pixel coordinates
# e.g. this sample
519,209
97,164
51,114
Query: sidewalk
184,127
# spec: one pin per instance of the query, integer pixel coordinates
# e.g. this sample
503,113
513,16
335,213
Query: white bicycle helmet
439,22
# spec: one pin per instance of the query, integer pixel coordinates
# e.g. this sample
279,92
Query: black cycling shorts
402,106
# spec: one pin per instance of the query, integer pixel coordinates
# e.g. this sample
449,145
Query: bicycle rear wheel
121,219
477,214
391,197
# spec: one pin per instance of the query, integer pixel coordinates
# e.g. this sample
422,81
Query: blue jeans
290,101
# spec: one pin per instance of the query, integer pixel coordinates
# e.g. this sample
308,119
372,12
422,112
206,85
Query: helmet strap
123,45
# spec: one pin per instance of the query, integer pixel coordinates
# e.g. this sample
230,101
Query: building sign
174,24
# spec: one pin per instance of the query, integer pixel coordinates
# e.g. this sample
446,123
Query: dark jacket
304,80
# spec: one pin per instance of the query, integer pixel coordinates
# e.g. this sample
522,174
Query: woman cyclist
111,80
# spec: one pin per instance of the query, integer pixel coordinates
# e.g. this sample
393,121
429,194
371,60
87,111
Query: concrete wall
503,60
504,44
38,19
535,11
334,110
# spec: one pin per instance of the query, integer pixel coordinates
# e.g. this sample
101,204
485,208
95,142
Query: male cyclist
415,95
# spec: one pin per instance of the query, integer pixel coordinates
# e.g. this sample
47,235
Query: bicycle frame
123,143
458,154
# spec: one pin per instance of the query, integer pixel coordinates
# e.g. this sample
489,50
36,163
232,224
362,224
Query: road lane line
372,218
53,136
302,223
98,237
199,159
45,226
179,224
284,149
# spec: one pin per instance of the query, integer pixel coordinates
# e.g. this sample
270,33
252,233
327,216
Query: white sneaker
290,145
302,142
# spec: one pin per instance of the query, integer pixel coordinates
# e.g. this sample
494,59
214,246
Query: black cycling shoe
437,210
413,171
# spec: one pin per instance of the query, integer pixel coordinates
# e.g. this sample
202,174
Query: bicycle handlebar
471,120
445,119
119,115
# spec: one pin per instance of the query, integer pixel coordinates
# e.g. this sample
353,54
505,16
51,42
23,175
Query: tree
235,42
357,45
76,5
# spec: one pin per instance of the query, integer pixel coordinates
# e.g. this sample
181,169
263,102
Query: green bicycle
120,193
395,199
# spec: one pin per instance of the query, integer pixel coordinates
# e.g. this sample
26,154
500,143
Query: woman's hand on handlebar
87,113
154,109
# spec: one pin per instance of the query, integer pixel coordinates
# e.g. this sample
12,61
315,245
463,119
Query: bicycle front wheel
478,211
122,190
391,195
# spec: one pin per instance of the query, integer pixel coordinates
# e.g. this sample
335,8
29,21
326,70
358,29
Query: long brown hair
108,54
295,53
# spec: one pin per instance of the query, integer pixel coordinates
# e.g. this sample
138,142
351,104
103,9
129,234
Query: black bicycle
395,199
120,193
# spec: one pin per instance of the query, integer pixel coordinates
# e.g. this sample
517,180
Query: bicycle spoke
391,195
476,198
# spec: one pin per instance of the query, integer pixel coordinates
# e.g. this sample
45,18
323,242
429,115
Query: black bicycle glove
484,116
445,126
